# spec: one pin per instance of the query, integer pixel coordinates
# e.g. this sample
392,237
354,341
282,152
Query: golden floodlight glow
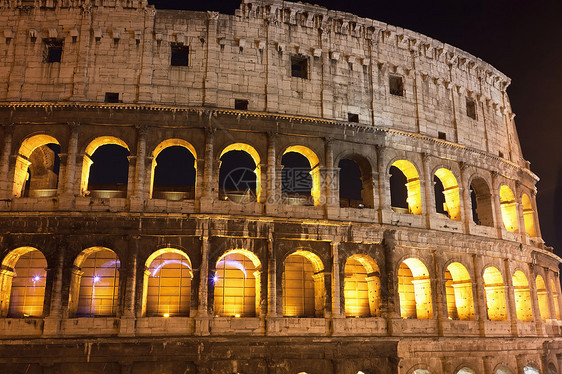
528,215
314,169
451,193
361,287
495,294
509,209
522,294
542,295
414,289
166,315
412,185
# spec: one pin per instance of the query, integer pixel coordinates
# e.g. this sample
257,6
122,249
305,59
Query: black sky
523,39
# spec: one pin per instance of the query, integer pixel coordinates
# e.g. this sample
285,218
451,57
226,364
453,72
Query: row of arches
174,172
529,368
236,284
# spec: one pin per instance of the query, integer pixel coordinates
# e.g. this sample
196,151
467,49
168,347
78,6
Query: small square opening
441,135
112,97
353,117
299,66
53,50
180,55
396,85
470,108
240,104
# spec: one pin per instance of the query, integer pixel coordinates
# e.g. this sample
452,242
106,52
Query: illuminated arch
94,284
465,370
495,294
23,159
451,193
304,291
237,283
502,369
458,285
366,179
412,185
481,199
90,149
314,169
166,144
522,293
531,368
361,287
167,283
528,215
414,289
508,209
22,283
542,295
555,299
255,157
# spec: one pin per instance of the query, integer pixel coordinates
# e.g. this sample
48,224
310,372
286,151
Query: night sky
523,39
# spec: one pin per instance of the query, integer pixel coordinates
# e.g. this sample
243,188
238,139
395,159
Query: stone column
273,195
52,326
429,200
496,205
272,277
480,308
510,295
440,298
331,177
336,281
520,213
131,284
382,187
137,198
535,301
70,174
5,187
465,200
202,320
533,199
550,296
207,195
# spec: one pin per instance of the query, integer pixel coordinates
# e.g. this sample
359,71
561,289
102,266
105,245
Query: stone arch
531,368
458,286
237,284
522,292
419,369
413,185
555,299
366,193
528,215
509,209
450,192
304,289
173,298
551,368
481,200
362,287
177,194
503,369
251,151
494,289
94,284
314,162
414,289
24,162
89,151
22,283
464,369
542,296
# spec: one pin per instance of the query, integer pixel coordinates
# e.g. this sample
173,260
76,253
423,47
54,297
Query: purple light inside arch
36,278
232,264
215,278
166,262
97,278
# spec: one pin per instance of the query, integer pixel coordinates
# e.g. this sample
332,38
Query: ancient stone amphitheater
288,189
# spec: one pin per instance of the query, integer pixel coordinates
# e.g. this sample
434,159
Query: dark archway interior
110,168
474,204
43,173
398,190
237,176
438,189
351,184
296,180
174,172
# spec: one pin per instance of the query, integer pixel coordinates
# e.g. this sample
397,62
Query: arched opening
508,208
458,285
551,368
528,215
555,299
522,293
542,295
239,174
94,283
414,289
237,282
361,287
465,370
355,183
530,369
304,292
167,282
106,168
503,370
447,194
37,167
495,294
481,199
300,178
421,371
409,199
22,283
174,167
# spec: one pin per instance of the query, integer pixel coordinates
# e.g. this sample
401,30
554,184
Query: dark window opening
53,50
174,174
43,171
109,171
237,177
396,85
354,192
500,153
442,135
180,55
481,203
112,97
299,66
471,108
241,104
353,117
474,202
398,190
439,190
296,180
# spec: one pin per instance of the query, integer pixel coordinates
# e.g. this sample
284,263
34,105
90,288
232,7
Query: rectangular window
470,108
112,97
442,135
180,55
53,50
396,85
353,117
299,66
240,104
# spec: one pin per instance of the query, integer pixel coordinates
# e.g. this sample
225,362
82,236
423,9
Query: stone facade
447,291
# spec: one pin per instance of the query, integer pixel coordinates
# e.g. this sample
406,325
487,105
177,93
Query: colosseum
288,189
